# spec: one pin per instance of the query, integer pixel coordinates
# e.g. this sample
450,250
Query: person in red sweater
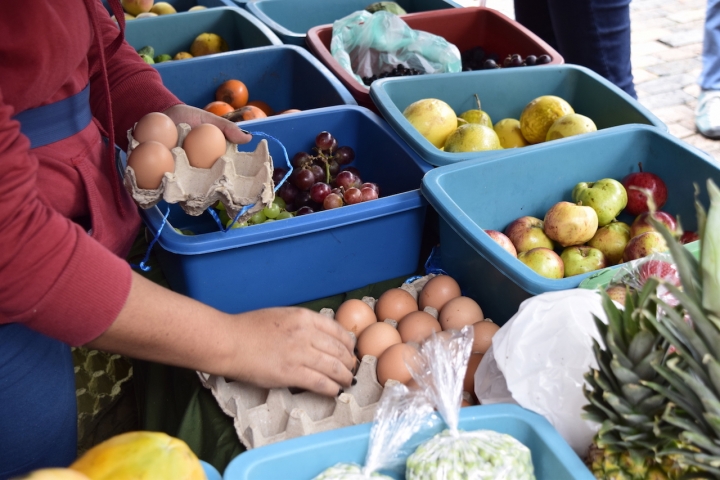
67,81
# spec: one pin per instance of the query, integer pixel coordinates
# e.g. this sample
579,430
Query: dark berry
543,59
490,64
530,60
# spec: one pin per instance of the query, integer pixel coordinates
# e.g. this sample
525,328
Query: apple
617,293
689,236
543,261
570,224
527,233
607,197
611,240
503,241
579,259
641,224
637,200
643,245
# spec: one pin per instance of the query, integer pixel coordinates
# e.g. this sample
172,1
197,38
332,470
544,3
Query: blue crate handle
143,264
432,265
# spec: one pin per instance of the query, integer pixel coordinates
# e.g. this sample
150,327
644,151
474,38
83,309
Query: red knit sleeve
136,88
54,277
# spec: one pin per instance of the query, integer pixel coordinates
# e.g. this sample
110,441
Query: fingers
334,347
310,379
232,132
334,329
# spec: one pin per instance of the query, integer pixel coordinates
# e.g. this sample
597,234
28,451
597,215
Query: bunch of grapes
322,180
271,213
477,59
397,71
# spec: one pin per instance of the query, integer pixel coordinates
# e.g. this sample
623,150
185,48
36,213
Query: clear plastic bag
367,44
659,265
439,369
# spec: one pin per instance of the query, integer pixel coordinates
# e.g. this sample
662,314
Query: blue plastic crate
291,19
284,76
210,472
305,457
476,195
504,93
312,256
175,33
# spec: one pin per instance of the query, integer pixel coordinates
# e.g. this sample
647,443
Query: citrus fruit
538,116
433,118
208,43
508,131
219,108
262,106
251,112
472,137
233,92
569,125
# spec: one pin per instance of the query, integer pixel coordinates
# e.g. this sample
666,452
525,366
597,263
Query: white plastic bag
538,359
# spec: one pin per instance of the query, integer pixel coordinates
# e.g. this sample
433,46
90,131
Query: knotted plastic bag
439,369
367,44
539,357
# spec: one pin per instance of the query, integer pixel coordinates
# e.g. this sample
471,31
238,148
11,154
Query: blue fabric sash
56,121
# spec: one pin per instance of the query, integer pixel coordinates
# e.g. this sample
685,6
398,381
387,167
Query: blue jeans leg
591,33
710,76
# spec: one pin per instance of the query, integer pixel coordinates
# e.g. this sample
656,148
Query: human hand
196,116
293,347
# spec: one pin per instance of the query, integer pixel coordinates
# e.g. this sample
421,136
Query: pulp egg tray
263,416
237,179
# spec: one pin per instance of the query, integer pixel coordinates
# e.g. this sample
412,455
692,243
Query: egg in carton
264,416
237,179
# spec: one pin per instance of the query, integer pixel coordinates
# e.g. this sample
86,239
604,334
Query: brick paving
666,57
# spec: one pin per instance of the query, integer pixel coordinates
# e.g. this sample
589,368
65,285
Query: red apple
544,262
637,200
527,233
503,241
617,293
689,236
641,224
643,245
581,259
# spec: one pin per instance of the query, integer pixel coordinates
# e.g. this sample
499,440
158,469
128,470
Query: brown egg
376,338
355,315
391,364
417,326
150,160
438,291
156,126
458,312
469,381
484,332
394,304
203,145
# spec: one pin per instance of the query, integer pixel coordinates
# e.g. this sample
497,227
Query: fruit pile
203,44
137,9
232,101
477,59
397,71
586,231
544,119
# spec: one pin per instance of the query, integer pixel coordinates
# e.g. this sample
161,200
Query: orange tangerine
262,106
233,92
219,108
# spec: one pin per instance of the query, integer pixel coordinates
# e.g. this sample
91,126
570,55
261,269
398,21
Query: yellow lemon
472,137
508,131
538,116
569,125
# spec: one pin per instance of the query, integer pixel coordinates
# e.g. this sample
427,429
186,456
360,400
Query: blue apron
38,409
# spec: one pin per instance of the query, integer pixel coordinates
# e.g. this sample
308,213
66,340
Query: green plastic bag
367,44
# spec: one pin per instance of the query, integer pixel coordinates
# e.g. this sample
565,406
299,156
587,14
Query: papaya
140,455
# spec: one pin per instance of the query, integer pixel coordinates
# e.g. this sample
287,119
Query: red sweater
54,276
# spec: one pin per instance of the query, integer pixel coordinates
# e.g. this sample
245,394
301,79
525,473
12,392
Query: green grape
269,220
280,202
219,206
258,217
272,210
224,217
236,224
284,214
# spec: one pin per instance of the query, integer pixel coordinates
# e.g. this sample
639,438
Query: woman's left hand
196,116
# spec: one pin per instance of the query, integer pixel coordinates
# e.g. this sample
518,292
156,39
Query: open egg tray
265,416
237,179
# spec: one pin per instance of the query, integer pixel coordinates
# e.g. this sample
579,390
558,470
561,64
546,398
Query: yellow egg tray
237,179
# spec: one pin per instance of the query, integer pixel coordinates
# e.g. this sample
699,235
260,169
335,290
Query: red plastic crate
464,27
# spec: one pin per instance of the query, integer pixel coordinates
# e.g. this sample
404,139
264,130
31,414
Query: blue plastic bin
185,5
312,256
175,33
284,76
305,457
210,472
291,19
476,195
504,93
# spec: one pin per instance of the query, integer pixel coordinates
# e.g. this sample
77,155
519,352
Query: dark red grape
334,167
290,207
516,60
300,159
319,191
543,59
345,179
353,196
338,191
490,64
530,60
374,186
303,178
324,140
344,155
303,199
332,148
287,192
278,174
332,201
368,193
304,211
318,172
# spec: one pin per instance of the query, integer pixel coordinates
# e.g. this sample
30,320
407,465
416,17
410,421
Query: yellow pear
207,44
509,133
182,56
569,125
476,115
163,8
538,116
433,118
472,137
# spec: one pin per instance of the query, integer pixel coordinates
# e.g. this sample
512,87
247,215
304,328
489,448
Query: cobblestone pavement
666,56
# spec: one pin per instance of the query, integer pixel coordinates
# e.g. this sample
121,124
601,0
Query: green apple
544,262
611,239
570,224
579,259
607,197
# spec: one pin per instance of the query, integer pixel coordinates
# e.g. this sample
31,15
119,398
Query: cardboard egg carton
264,416
237,179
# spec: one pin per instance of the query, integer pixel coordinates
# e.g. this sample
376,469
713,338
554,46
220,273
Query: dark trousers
591,33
